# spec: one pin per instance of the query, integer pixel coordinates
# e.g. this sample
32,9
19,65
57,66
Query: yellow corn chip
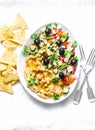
11,37
6,88
10,45
2,67
19,23
19,37
2,38
10,75
9,57
5,33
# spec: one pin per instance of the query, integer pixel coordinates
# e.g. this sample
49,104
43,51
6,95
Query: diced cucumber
55,71
66,90
33,48
40,52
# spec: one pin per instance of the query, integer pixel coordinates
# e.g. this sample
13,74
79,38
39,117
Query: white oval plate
20,69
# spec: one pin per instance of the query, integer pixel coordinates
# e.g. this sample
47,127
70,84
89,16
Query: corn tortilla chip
5,33
6,88
10,75
19,37
11,37
9,57
10,45
2,67
2,37
19,23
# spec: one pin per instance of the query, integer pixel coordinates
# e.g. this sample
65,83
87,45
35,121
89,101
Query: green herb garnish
48,37
55,80
53,25
51,42
32,81
62,66
64,38
54,57
68,54
75,43
75,57
34,36
56,96
25,50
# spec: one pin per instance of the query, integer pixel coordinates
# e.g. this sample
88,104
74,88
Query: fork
78,93
90,63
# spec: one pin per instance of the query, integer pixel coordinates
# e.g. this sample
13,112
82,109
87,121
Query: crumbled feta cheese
66,90
69,69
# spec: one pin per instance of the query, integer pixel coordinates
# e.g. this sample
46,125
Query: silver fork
90,63
78,93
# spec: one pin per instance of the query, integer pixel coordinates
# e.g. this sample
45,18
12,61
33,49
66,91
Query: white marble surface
40,3
21,110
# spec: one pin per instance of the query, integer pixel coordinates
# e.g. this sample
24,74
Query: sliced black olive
58,42
46,61
61,51
37,42
61,75
74,62
47,31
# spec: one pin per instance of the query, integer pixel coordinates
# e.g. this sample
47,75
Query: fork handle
78,93
77,97
90,94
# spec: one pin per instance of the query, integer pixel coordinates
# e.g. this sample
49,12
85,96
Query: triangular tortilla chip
5,33
6,87
2,67
10,75
2,37
9,57
10,45
19,37
19,23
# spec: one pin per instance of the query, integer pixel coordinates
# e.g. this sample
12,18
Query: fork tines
91,58
81,53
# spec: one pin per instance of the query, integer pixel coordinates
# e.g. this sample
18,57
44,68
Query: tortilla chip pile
11,37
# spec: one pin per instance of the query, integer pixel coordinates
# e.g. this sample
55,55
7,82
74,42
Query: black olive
47,31
61,75
37,42
46,61
74,62
61,51
58,42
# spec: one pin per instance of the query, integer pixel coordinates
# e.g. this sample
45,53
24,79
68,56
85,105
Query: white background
20,109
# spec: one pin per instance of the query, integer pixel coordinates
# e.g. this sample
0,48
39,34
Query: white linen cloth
20,109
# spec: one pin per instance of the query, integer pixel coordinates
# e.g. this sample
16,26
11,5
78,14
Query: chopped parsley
25,50
32,81
56,96
54,80
62,66
76,58
54,57
75,43
68,53
34,36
